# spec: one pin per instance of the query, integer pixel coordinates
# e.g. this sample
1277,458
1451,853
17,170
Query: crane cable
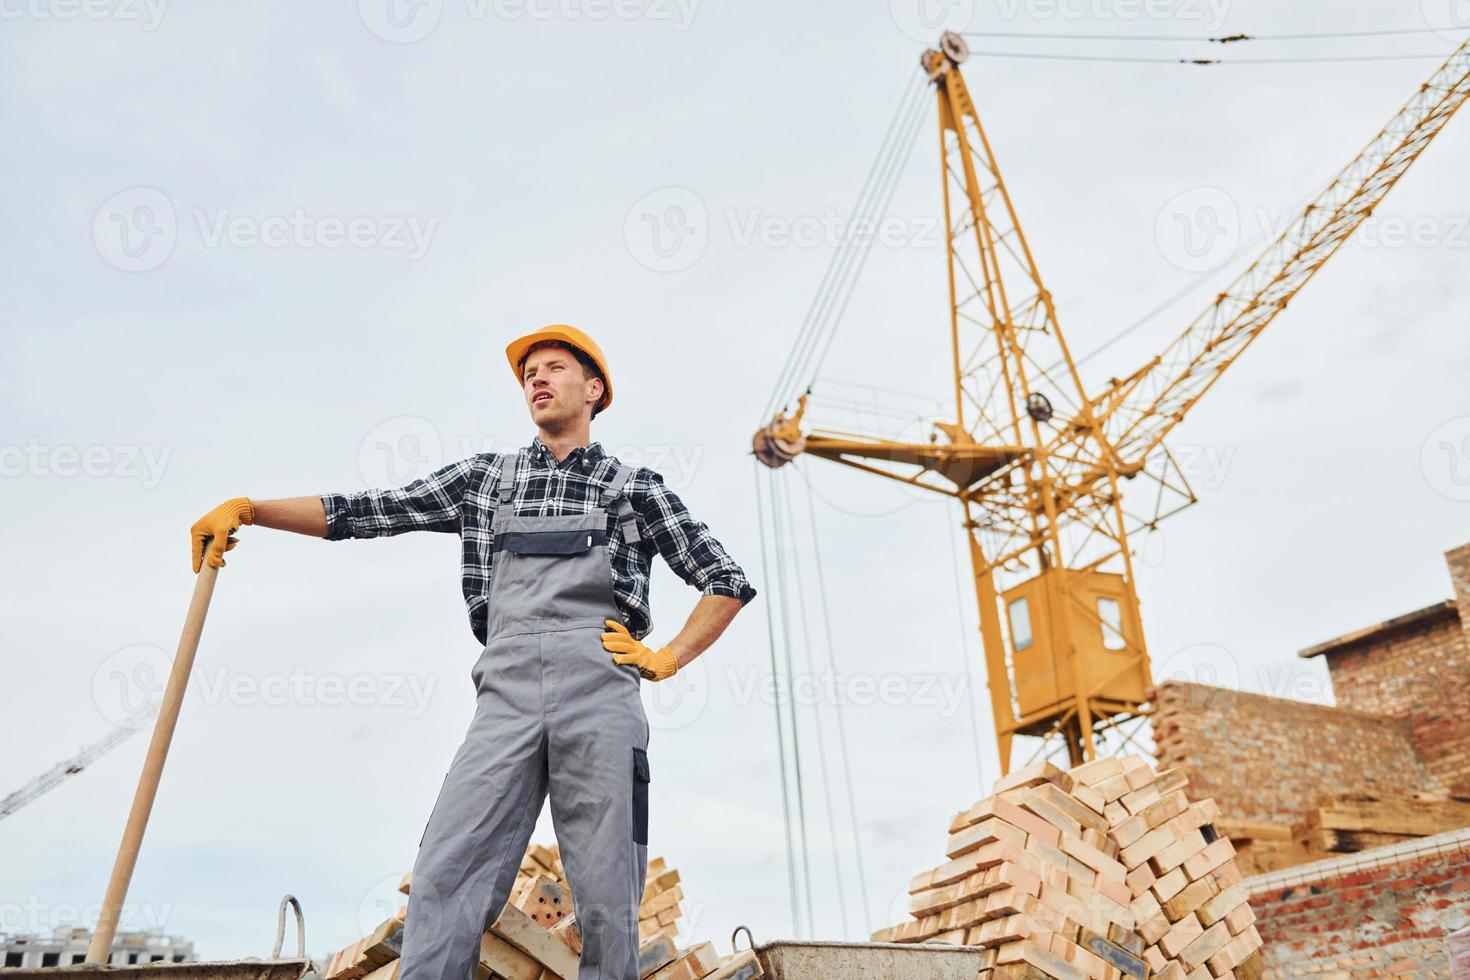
1219,39
1223,39
1210,61
849,257
780,726
857,840
778,537
811,672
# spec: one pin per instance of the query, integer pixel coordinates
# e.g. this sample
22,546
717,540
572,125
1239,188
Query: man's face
556,390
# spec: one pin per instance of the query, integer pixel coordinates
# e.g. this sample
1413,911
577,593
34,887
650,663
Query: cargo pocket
640,796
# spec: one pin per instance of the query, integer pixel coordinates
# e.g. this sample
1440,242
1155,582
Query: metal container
232,970
790,960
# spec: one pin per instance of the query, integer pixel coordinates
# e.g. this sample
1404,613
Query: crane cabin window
1111,615
1020,616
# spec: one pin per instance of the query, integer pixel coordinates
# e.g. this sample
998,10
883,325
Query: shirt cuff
339,526
744,591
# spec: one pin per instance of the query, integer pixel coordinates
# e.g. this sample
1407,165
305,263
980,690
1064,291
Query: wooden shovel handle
163,733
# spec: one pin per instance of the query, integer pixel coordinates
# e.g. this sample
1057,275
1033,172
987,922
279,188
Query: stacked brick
1104,872
541,868
536,935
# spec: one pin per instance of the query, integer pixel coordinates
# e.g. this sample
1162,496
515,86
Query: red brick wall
1421,674
1268,759
1388,921
1394,674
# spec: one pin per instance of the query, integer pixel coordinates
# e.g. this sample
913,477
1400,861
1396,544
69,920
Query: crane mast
1035,461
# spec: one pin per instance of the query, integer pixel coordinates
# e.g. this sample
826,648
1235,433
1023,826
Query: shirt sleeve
431,503
688,546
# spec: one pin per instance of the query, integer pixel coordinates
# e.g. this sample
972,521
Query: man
558,542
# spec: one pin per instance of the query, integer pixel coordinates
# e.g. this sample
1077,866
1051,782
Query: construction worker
558,542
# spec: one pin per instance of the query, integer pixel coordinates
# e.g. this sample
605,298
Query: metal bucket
790,960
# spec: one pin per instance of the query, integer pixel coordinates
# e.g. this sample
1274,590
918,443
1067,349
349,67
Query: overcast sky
279,248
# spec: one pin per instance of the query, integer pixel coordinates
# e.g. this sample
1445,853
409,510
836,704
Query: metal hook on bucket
281,928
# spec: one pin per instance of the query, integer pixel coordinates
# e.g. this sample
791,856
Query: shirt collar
588,455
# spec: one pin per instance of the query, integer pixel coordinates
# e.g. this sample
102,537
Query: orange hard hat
517,348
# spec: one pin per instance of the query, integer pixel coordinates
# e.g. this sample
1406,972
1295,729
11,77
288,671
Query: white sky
1333,460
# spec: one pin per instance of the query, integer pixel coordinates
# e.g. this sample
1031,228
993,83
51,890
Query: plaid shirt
457,498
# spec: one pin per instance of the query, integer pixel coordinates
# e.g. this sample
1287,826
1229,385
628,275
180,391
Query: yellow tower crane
1036,461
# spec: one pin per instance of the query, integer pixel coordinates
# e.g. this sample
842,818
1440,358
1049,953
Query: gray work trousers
555,715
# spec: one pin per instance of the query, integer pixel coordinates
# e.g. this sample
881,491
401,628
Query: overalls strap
613,495
503,487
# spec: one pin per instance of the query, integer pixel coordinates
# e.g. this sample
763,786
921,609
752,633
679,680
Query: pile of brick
1103,872
541,874
536,936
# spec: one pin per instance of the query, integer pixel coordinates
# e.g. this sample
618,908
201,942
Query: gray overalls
554,713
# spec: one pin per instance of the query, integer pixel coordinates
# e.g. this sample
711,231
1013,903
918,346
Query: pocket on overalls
640,796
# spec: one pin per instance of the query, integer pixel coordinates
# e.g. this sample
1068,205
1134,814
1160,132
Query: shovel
163,733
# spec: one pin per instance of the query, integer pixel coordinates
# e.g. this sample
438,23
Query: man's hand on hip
654,665
214,530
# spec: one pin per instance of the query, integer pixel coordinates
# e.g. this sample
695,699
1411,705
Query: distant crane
1034,458
64,770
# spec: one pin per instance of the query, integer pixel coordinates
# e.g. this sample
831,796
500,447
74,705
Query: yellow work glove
216,528
654,665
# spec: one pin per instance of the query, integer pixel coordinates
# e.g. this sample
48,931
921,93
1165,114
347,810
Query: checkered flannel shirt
457,498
